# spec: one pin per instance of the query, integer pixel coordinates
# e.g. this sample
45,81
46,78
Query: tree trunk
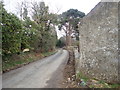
69,35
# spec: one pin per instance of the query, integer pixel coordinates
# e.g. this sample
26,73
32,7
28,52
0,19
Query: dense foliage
37,35
11,33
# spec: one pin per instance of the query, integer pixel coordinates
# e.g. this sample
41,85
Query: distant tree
69,23
74,13
40,12
25,11
22,10
61,42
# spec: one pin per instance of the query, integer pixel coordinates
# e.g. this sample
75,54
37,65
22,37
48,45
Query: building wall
99,43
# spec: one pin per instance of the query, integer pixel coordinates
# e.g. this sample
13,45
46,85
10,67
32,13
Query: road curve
37,74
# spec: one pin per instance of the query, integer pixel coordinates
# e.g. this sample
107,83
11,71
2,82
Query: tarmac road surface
43,73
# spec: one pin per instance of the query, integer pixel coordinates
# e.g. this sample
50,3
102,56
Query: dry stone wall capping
99,43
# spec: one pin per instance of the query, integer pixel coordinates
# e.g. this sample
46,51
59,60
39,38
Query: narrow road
40,74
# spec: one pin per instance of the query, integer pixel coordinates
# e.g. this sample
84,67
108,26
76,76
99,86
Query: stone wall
99,43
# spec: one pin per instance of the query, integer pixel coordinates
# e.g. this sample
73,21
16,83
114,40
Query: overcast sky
56,5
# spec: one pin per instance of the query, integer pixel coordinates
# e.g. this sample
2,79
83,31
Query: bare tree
22,9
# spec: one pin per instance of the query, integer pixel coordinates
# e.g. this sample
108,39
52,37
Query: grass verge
94,83
16,61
